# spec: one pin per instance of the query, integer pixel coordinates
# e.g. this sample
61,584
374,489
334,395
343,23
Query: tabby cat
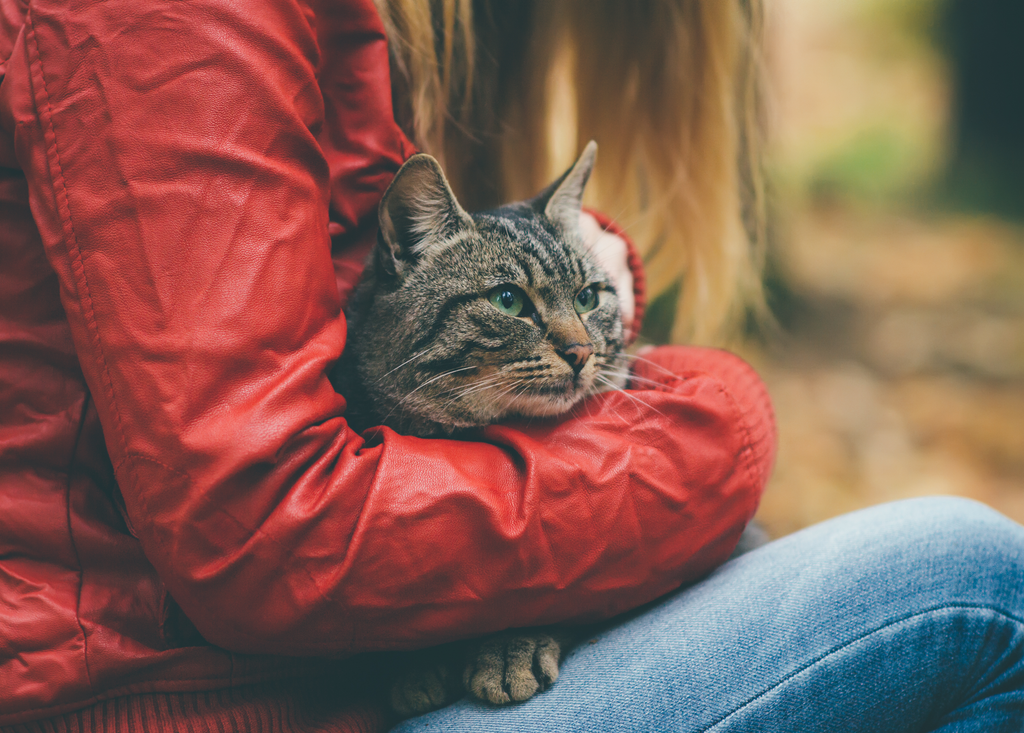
461,320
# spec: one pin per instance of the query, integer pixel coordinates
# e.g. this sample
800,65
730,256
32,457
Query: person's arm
182,196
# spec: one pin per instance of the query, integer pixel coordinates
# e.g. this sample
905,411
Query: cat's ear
562,200
418,212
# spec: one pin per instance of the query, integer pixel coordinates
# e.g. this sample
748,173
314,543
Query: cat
461,320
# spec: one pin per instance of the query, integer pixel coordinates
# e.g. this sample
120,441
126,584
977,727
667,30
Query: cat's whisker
586,404
486,383
406,397
524,385
407,361
473,387
440,376
631,396
452,396
632,378
637,357
590,412
533,369
481,382
519,387
469,385
622,418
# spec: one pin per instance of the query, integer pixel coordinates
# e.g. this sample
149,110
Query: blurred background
896,254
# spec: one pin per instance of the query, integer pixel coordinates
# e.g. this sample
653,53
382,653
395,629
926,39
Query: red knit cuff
636,265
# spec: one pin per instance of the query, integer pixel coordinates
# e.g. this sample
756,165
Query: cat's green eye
586,300
508,299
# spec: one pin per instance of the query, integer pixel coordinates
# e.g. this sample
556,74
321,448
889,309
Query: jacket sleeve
181,180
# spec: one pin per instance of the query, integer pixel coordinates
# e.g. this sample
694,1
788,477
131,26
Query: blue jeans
903,617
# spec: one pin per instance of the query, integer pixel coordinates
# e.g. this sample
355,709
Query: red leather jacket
168,314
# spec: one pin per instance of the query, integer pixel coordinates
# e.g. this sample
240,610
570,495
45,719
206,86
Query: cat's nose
576,355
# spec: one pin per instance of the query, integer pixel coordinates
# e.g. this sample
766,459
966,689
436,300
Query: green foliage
876,165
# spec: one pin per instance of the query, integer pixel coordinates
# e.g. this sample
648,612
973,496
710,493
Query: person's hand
612,254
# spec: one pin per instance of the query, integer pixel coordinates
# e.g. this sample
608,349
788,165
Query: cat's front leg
515,665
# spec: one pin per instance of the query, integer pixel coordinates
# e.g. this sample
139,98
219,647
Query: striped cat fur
461,320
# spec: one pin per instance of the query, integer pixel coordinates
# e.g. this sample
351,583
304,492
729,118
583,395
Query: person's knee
963,522
968,548
933,535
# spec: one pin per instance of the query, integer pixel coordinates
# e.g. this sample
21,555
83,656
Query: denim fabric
903,617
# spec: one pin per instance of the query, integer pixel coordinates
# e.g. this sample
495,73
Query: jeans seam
824,655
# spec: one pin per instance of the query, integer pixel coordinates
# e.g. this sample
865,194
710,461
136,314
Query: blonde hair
668,88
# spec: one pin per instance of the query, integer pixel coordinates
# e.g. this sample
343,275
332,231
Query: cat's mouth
563,387
550,397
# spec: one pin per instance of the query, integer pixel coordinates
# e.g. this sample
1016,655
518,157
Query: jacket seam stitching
63,212
46,119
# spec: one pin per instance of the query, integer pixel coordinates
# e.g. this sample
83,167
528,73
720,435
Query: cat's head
464,319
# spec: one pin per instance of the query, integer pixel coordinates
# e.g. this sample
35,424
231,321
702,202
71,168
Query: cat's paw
513,666
425,686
